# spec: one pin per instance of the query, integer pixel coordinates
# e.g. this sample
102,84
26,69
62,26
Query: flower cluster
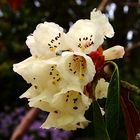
61,66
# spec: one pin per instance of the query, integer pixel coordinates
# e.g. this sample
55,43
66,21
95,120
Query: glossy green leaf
100,131
113,104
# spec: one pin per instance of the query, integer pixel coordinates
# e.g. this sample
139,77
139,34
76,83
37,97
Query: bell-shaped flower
65,121
66,111
69,109
43,76
71,101
46,40
77,68
88,35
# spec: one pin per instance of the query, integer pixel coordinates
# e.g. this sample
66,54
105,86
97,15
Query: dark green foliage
113,104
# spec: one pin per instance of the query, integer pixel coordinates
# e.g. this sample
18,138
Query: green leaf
100,131
112,103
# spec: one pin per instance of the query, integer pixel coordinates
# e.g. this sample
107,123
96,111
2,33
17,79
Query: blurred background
18,18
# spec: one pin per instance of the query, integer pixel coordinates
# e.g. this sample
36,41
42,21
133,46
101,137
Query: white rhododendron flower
88,35
79,67
46,40
101,89
63,65
62,120
69,107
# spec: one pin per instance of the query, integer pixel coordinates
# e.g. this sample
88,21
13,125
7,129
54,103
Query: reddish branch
130,87
25,123
102,5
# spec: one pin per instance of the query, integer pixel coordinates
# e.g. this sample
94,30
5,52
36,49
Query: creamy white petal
45,40
40,73
101,89
71,101
70,98
102,23
43,105
30,93
65,121
44,77
86,35
76,68
115,52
